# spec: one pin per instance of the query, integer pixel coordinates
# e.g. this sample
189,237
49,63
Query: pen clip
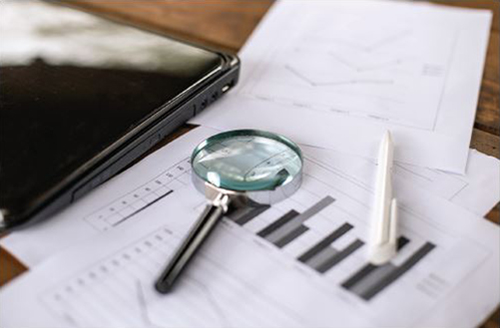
393,224
384,249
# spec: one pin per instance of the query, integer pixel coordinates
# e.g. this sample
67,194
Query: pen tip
388,135
387,139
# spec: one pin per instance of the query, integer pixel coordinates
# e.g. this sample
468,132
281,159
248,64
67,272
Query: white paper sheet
161,175
477,191
337,74
253,272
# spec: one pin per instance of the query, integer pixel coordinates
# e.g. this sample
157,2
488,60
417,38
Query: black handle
197,235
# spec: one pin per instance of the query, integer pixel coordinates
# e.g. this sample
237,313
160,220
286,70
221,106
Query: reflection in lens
248,160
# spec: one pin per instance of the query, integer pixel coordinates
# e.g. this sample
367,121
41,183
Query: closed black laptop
81,97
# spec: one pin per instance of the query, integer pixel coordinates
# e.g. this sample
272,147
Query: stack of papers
341,74
123,233
350,70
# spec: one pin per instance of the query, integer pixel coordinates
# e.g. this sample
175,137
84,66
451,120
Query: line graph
364,68
119,289
376,70
302,76
373,45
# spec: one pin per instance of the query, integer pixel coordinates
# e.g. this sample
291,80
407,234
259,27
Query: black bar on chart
325,242
294,225
398,271
369,268
248,213
316,208
402,242
286,239
339,256
142,208
278,223
372,279
359,276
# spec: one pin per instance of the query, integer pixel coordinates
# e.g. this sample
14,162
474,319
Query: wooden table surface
226,24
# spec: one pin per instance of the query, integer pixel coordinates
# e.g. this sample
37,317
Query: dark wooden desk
226,24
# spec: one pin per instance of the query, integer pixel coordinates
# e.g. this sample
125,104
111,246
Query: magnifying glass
236,169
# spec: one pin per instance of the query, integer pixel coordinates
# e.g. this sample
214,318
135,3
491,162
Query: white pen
382,244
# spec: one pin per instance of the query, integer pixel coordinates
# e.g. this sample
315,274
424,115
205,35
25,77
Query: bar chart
324,255
285,225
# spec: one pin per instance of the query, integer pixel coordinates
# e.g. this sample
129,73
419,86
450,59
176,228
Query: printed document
161,175
338,74
298,263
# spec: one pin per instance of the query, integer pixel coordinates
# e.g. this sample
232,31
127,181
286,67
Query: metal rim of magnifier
219,202
265,197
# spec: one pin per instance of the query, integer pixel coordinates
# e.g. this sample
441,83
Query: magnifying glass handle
196,236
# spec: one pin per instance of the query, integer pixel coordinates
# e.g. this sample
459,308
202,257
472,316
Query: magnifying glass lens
246,162
250,164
